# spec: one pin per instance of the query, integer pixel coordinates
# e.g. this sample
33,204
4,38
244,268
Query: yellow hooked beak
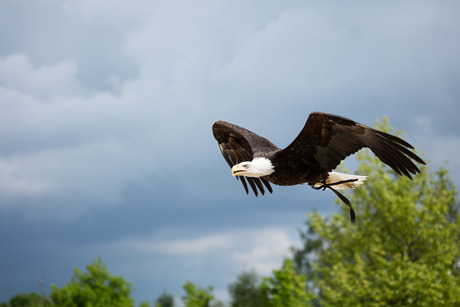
238,170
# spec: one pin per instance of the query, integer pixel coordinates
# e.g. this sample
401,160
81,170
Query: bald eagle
324,141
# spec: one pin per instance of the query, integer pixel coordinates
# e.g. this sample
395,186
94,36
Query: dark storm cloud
106,121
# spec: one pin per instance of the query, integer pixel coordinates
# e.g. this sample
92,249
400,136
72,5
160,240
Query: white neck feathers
260,167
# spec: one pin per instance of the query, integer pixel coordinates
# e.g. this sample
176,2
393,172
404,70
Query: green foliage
28,300
94,288
404,249
286,288
196,297
165,300
246,292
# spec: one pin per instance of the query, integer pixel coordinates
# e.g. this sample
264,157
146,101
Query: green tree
197,297
404,249
246,291
93,288
286,288
28,300
165,300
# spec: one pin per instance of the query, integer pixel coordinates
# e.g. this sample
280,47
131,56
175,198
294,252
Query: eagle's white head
258,167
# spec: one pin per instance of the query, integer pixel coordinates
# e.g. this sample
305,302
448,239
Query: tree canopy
165,300
285,288
246,291
195,296
27,300
93,288
404,249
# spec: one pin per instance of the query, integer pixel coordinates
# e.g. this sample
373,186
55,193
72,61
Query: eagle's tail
337,177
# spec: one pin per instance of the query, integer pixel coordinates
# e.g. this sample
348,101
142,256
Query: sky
106,114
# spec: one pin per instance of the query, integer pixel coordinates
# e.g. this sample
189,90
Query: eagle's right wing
239,145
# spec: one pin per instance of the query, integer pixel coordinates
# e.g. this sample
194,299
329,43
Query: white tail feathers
336,177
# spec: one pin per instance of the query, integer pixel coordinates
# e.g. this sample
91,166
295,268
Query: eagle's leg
325,186
347,202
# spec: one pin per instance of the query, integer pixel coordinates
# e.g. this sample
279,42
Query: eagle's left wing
327,139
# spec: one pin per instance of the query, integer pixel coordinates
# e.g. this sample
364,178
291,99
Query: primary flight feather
324,141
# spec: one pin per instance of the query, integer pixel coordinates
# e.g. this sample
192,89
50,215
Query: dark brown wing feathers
328,139
238,145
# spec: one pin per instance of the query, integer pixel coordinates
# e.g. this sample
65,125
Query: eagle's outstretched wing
239,145
327,139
